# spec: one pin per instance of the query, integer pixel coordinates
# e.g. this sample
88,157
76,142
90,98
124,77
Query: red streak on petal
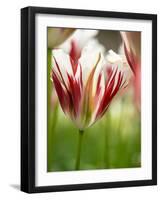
62,93
75,54
98,89
135,67
110,91
72,90
60,73
131,59
109,71
75,91
69,94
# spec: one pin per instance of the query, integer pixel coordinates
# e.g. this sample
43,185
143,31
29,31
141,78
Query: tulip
73,45
132,47
85,90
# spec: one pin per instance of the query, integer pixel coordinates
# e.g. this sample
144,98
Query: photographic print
88,99
93,99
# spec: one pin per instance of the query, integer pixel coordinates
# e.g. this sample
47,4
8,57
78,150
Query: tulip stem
79,147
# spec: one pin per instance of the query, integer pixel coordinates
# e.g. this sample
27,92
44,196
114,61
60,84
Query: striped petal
86,89
132,48
114,82
132,44
88,60
62,93
62,65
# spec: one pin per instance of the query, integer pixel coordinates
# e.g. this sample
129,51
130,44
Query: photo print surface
93,99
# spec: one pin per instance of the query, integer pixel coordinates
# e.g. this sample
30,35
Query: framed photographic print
88,99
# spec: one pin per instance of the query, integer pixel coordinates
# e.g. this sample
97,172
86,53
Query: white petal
64,64
119,61
113,57
88,60
81,37
94,47
93,43
116,59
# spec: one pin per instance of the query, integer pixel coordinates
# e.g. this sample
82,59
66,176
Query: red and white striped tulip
86,89
73,45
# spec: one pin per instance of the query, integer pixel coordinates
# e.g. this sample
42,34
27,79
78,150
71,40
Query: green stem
77,164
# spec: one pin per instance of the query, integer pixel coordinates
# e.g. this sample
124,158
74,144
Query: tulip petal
75,54
81,37
62,65
88,100
130,59
88,59
62,93
76,92
85,89
114,82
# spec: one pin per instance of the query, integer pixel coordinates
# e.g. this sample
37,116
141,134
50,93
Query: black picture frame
28,98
